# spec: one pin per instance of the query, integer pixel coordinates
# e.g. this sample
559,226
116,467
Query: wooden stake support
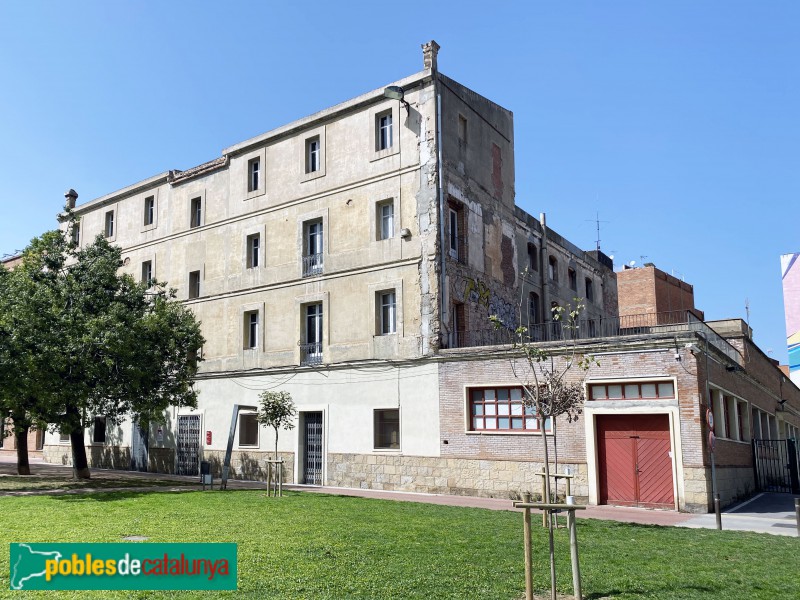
274,488
547,510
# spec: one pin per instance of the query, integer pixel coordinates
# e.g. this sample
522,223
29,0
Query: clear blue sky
679,122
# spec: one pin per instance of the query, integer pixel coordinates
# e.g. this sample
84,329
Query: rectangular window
251,329
248,429
384,125
387,429
662,390
573,279
502,409
385,220
533,258
253,174
196,212
311,350
552,268
462,130
109,229
457,232
388,313
253,249
76,233
313,249
458,325
589,290
149,210
194,284
63,437
99,430
313,155
534,308
454,233
147,272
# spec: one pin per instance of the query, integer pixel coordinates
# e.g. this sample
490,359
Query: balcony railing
312,265
311,354
587,329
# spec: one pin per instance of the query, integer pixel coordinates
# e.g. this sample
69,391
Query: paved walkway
768,513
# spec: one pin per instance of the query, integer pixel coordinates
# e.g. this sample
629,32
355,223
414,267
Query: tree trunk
542,423
80,465
21,435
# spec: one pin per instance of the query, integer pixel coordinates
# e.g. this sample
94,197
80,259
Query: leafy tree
101,343
277,410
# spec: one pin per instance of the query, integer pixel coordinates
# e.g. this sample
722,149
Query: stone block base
456,476
249,464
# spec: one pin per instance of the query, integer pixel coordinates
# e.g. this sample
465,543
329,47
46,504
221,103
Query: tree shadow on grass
614,593
117,495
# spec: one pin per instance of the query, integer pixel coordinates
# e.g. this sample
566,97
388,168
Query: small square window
251,329
387,311
387,429
194,284
248,429
313,155
147,272
149,210
196,212
99,430
253,250
254,175
109,227
385,217
384,135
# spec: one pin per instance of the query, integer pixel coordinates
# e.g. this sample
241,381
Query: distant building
647,289
790,275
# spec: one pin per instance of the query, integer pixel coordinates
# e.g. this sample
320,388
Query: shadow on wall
249,466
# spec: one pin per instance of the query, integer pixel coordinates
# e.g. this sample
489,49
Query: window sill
488,432
388,450
380,154
248,447
724,439
312,175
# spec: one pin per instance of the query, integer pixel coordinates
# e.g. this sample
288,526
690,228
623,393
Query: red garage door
634,460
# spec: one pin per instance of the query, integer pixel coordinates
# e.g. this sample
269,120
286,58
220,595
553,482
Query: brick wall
650,290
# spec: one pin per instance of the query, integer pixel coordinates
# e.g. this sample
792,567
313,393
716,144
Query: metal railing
601,327
312,265
311,354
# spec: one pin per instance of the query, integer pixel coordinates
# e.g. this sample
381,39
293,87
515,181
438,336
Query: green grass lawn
316,546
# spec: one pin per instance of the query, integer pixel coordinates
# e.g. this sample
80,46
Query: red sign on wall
208,438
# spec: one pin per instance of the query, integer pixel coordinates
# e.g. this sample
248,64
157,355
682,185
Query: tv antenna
597,222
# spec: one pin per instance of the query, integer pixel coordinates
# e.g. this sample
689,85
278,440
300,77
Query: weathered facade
334,258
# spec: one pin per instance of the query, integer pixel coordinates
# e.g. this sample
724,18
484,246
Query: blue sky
677,121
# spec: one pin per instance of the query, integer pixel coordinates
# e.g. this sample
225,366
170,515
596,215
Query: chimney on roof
71,196
429,53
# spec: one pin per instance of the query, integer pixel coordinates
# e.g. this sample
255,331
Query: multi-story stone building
335,257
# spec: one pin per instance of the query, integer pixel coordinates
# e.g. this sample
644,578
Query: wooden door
635,461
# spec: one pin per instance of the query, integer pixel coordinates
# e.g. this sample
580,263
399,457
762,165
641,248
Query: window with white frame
194,284
640,390
251,329
311,349
149,210
386,428
385,215
253,174
248,429
313,155
313,248
99,430
196,212
147,272
384,137
109,224
502,409
387,306
253,250
76,233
